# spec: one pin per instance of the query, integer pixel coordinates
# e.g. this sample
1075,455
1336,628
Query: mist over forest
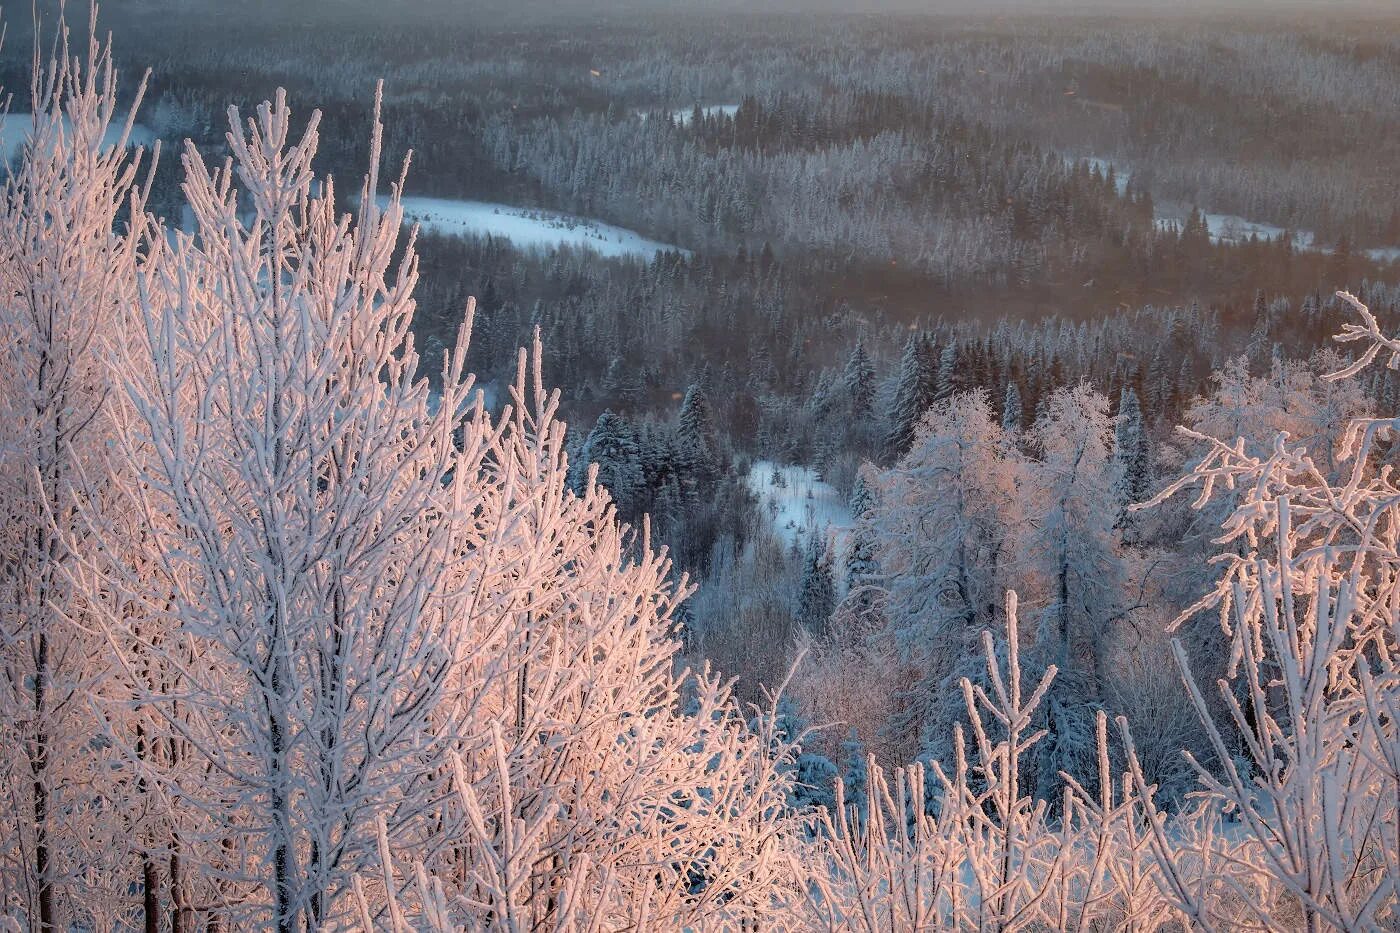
781,465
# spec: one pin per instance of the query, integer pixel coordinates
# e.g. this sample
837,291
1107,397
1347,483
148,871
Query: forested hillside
938,535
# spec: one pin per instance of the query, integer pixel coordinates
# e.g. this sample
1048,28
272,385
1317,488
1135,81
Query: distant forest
1018,201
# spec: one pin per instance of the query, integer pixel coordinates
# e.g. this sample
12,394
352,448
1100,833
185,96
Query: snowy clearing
1230,228
15,129
527,228
798,504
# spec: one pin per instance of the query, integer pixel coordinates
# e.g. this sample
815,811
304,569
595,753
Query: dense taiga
633,466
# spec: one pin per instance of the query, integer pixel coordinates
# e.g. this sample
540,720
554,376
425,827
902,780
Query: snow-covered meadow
797,505
526,227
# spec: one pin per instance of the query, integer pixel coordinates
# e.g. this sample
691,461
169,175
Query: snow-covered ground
1230,228
527,228
798,504
1224,228
682,115
15,129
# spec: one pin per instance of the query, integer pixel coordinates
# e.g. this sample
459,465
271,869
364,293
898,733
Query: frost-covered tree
1076,553
948,524
1012,409
855,770
861,561
72,231
947,379
858,382
697,440
1307,600
1131,450
913,394
816,591
305,493
611,448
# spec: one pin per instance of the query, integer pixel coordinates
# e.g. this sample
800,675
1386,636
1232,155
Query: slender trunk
179,911
150,877
180,919
281,857
39,765
281,815
40,751
150,895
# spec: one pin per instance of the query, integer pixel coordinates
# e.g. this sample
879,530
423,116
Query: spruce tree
947,382
697,440
1131,452
858,380
913,395
860,550
855,775
816,594
1012,409
612,445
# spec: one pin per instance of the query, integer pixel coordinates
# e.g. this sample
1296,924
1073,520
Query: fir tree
855,776
860,549
947,381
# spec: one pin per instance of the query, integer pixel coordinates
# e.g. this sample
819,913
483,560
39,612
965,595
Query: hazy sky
1164,7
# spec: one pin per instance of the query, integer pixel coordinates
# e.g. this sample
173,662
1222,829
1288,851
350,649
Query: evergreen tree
621,385
815,781
816,594
858,380
1073,545
1012,409
612,445
860,549
855,775
913,395
697,440
947,381
1131,451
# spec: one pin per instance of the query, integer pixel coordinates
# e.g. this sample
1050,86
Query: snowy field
1225,228
15,129
527,228
1228,228
798,504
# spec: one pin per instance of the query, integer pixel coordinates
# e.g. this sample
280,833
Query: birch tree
303,489
72,227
